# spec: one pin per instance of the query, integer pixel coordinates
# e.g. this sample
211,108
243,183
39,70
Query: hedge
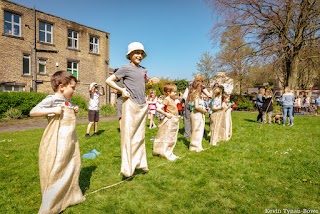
25,101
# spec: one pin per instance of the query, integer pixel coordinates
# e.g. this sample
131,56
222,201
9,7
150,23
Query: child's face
172,94
136,56
69,89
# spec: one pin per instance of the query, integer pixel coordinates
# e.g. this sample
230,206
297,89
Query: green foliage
23,101
158,87
79,101
13,113
107,110
262,167
181,84
244,103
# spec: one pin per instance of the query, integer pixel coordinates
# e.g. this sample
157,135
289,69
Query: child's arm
198,107
37,111
160,109
111,81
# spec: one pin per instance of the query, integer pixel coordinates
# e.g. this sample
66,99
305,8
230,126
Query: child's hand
125,93
76,109
168,115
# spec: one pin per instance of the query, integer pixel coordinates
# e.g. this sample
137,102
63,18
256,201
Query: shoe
283,125
95,134
291,124
152,138
154,126
87,135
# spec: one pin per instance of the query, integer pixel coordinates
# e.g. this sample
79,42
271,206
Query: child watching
59,153
167,135
134,110
197,116
152,107
95,91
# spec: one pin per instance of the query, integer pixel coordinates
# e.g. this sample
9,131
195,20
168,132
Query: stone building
35,44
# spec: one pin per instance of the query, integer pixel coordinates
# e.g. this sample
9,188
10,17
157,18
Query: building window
73,68
45,32
8,87
12,24
72,39
42,66
94,45
26,64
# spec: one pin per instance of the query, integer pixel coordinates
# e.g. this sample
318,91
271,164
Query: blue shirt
287,99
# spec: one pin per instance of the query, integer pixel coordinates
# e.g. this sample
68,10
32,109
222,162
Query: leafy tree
181,84
206,67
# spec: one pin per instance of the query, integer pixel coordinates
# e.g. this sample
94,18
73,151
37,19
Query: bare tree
235,56
284,29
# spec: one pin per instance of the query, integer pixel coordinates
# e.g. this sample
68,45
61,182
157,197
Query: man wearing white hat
134,110
94,107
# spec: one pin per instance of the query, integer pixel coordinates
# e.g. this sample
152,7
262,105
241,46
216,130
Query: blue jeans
287,110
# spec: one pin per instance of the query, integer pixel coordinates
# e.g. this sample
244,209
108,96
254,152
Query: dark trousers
259,117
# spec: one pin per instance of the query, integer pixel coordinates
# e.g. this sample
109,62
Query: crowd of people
290,105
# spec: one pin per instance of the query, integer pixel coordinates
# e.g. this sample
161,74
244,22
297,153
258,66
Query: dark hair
61,77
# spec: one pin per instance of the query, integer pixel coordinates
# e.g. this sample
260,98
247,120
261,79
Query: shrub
23,101
13,113
244,103
79,101
107,109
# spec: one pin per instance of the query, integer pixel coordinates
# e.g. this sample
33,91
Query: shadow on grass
85,176
185,141
99,132
250,120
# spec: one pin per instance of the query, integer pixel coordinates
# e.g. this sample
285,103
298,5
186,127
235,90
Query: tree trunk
292,72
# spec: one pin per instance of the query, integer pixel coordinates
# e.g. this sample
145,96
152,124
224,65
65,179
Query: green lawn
262,169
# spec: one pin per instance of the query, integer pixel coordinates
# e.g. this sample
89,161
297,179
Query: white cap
92,85
135,46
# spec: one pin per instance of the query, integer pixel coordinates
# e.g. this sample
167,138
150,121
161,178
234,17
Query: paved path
37,123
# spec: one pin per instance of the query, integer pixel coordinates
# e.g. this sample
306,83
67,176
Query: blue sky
175,33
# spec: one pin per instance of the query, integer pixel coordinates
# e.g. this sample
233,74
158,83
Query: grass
262,168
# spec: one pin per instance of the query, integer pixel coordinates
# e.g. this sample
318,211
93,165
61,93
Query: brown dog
277,119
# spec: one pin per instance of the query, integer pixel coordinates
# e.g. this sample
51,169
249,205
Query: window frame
46,32
74,40
73,70
12,24
94,44
42,62
26,57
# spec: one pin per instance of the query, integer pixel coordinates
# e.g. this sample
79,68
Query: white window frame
26,57
42,64
46,32
72,68
74,39
13,24
94,44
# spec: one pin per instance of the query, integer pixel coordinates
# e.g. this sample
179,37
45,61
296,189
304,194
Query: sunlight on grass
262,167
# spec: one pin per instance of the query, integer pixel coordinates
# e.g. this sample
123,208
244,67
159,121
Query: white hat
135,46
92,85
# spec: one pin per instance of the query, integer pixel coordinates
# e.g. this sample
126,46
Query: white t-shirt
94,101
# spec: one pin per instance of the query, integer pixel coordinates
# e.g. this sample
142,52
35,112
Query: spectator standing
152,106
259,103
287,106
267,106
95,91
